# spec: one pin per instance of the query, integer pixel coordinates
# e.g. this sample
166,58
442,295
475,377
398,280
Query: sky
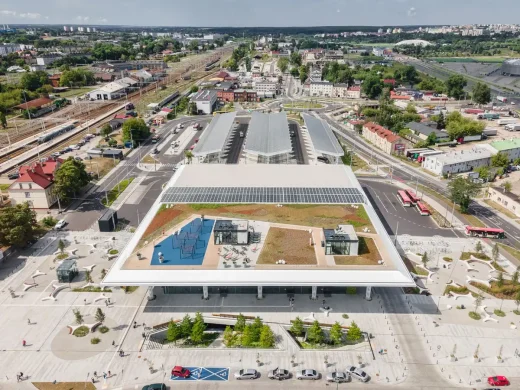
250,13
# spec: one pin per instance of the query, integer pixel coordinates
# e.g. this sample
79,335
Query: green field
76,91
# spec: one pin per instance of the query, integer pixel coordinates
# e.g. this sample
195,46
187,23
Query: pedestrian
18,377
24,343
113,343
104,375
144,335
135,324
323,302
109,374
93,380
106,303
85,301
144,325
21,376
95,374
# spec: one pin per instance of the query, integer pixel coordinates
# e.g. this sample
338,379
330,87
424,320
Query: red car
498,381
181,372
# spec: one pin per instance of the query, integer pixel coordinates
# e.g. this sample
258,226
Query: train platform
41,148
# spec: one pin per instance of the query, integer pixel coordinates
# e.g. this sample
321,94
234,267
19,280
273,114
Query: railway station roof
268,134
322,138
214,137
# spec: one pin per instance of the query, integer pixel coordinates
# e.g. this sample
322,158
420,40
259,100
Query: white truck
506,121
513,127
502,99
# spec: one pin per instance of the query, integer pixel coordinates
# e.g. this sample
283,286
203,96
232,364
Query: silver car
358,373
338,377
308,374
279,374
248,373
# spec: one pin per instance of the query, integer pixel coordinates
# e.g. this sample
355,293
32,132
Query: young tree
495,252
174,332
61,245
500,279
100,316
78,316
425,259
267,338
189,155
283,64
256,328
297,327
3,120
481,93
462,191
198,328
441,122
508,186
228,336
517,300
194,89
241,323
315,334
105,130
185,326
247,338
515,276
455,86
17,225
353,332
372,86
478,247
499,160
478,301
135,129
70,178
103,273
88,276
336,334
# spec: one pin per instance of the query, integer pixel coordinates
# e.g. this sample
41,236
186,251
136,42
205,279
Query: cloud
102,20
7,12
82,18
30,15
46,18
412,11
338,11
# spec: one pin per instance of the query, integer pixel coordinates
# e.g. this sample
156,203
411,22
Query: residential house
266,87
421,132
321,88
245,95
35,184
382,138
508,200
344,91
227,95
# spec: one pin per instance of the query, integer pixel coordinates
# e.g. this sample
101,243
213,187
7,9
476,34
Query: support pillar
149,294
205,294
259,294
368,294
314,292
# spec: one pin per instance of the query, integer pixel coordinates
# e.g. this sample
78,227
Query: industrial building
511,67
456,162
212,143
205,101
268,140
196,255
114,90
322,142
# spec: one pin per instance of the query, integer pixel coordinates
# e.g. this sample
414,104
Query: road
405,173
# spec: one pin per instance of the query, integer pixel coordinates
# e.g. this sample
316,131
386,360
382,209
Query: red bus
404,198
414,198
423,210
485,232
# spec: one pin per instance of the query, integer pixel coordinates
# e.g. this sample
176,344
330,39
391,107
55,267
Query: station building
322,144
212,145
295,229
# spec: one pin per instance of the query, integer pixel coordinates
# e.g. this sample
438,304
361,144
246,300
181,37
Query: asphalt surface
404,173
296,143
237,142
396,217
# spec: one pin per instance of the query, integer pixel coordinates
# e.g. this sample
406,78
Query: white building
47,60
7,48
159,266
344,91
114,90
456,162
321,88
266,87
205,101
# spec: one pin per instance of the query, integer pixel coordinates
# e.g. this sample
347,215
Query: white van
74,147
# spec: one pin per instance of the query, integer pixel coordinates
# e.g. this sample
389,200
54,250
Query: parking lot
237,142
296,143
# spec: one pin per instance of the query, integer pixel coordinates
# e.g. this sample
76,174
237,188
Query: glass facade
253,290
337,248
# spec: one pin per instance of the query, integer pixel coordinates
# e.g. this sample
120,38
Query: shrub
62,256
82,331
95,340
499,313
351,290
103,329
448,259
517,312
113,252
474,315
49,221
345,316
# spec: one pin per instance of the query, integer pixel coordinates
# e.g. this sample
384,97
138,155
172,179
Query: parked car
60,224
248,373
13,176
498,380
155,386
308,374
358,373
74,147
55,155
77,158
279,374
181,372
338,377
120,146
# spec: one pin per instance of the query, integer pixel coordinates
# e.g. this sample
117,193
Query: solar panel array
305,195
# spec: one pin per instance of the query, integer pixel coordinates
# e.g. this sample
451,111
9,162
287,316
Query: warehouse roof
214,137
322,138
268,134
462,156
204,95
506,144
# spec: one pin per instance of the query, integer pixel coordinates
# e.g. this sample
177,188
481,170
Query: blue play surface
186,247
205,374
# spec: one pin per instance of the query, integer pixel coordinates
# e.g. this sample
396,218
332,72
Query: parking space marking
205,374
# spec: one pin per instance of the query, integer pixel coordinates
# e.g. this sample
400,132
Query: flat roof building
268,140
279,251
510,147
211,147
205,101
321,140
456,162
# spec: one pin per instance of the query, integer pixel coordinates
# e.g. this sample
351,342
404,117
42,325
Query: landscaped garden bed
367,254
477,255
291,245
190,333
505,289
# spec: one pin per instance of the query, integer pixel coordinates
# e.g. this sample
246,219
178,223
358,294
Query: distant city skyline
267,13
